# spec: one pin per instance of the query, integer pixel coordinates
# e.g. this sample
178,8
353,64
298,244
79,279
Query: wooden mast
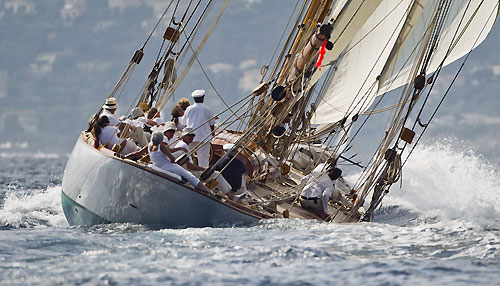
302,53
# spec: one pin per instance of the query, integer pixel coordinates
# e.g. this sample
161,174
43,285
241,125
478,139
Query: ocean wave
32,208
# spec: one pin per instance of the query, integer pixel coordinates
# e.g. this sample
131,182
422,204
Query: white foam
33,208
446,178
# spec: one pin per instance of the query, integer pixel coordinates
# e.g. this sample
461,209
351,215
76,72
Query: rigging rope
449,87
167,93
157,23
209,81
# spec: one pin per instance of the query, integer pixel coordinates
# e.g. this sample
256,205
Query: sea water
441,228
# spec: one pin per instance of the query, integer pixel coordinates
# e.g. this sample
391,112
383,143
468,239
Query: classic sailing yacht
342,65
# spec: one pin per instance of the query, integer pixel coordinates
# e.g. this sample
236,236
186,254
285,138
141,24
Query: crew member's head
198,95
334,173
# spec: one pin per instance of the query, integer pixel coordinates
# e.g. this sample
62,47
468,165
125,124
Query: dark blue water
441,228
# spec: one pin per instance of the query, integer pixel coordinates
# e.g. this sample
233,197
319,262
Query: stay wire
208,79
437,73
197,22
157,23
447,90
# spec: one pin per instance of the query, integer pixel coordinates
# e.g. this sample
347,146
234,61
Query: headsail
475,18
369,68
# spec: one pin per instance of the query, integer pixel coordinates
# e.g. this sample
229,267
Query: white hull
99,188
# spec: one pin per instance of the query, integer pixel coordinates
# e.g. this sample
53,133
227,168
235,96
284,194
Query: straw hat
198,93
110,103
187,131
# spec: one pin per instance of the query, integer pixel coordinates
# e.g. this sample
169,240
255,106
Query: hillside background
60,58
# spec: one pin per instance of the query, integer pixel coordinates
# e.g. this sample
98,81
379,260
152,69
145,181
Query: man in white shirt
138,121
187,138
319,188
169,133
201,119
109,107
137,118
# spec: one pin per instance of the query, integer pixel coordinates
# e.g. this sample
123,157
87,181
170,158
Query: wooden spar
309,51
314,43
295,66
311,19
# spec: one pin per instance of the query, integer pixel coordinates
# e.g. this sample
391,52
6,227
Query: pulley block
278,93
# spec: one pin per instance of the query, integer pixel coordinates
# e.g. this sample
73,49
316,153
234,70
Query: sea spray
447,179
32,208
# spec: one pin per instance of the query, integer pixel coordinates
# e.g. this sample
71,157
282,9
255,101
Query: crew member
201,119
320,187
107,135
169,133
233,170
161,157
186,140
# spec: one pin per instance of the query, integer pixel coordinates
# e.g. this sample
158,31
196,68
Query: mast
288,89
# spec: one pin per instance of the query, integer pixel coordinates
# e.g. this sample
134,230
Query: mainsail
357,69
381,56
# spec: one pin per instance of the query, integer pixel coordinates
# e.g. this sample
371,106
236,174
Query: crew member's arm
175,149
325,197
165,151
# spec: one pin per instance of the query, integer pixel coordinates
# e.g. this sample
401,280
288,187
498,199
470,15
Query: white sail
347,19
474,17
416,20
362,61
367,56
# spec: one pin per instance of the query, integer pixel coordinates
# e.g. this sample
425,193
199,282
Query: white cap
198,93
